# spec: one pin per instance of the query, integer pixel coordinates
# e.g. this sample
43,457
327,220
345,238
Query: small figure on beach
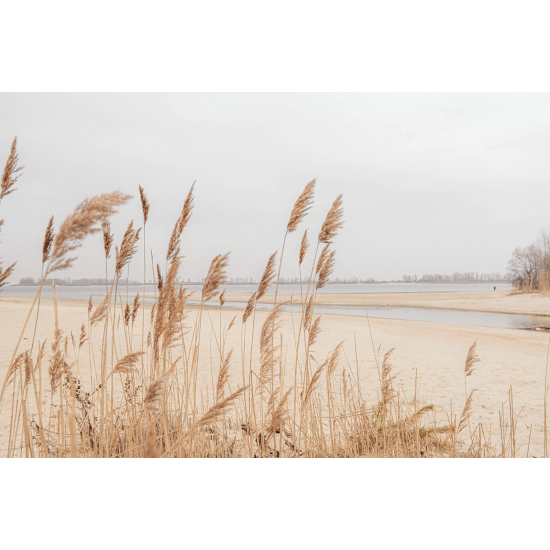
495,287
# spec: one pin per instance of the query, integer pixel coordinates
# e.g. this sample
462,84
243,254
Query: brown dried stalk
8,177
313,383
309,312
218,409
466,412
155,392
57,361
4,274
323,258
269,272
100,312
159,276
128,363
303,247
107,237
144,205
81,223
277,423
471,359
127,248
332,222
326,270
268,350
180,224
127,314
48,241
223,376
231,323
41,353
83,336
334,357
387,378
215,278
222,298
249,307
135,308
314,332
301,207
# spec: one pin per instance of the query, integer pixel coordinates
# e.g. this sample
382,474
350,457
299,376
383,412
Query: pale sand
436,352
502,301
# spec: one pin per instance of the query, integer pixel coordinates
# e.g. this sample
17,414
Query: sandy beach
429,354
500,301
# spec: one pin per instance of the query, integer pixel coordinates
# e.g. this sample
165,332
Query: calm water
96,291
498,320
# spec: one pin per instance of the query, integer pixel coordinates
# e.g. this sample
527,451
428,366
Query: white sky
431,182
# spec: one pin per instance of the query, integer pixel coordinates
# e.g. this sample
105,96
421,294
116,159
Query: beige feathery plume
223,376
155,392
215,278
269,272
81,223
127,248
127,314
314,332
144,205
387,378
309,312
180,224
313,383
303,247
160,282
19,361
135,308
301,207
218,409
326,270
8,177
332,222
83,336
128,363
471,359
249,307
28,368
222,298
90,305
4,274
334,357
277,422
231,323
100,312
41,353
48,241
466,412
107,237
268,350
57,361
323,257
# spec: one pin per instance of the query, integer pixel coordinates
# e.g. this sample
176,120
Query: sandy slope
496,301
434,352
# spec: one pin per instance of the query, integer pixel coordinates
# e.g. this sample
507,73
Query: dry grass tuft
127,249
301,207
326,269
471,359
304,245
267,276
144,205
81,223
127,364
48,241
215,278
9,176
333,221
180,225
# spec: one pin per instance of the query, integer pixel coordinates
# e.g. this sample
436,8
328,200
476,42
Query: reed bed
128,384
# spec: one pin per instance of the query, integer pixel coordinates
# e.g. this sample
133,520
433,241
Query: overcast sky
431,182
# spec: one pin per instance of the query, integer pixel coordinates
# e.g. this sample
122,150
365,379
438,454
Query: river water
498,320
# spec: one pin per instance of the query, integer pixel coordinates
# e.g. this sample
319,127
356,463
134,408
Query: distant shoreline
199,283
